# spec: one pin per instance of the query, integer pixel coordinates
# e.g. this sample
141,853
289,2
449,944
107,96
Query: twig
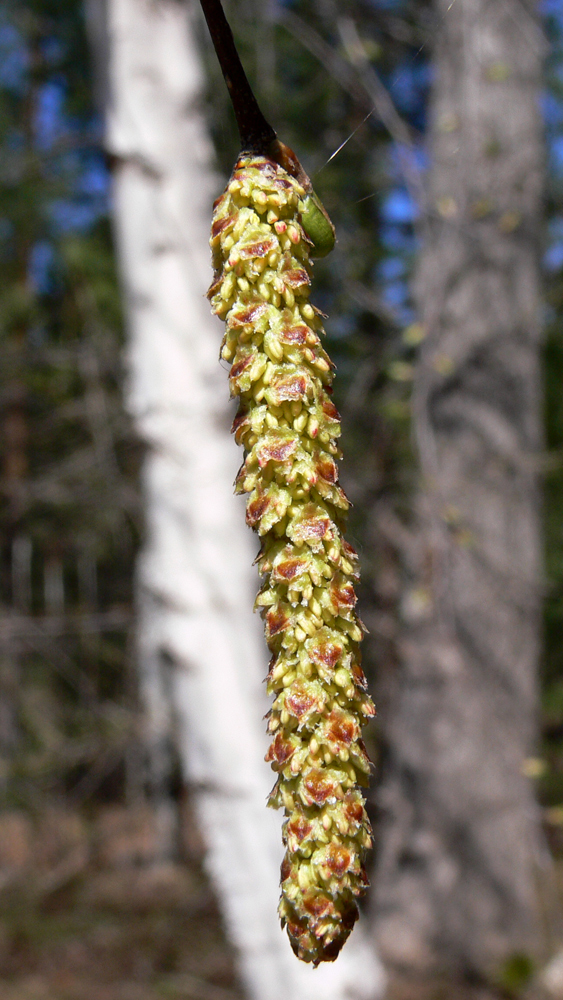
256,133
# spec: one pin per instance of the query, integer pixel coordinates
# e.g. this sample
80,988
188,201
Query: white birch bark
197,636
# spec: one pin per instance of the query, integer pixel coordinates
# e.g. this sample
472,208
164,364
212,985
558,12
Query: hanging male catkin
266,227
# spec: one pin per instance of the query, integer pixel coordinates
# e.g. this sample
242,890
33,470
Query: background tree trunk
456,886
200,654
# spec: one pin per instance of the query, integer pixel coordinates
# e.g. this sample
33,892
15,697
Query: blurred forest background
96,901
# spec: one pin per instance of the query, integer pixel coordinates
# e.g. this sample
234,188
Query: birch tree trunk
200,651
456,887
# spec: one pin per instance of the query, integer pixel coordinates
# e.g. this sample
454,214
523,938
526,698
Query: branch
256,134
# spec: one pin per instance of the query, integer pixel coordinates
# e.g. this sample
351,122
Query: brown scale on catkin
288,426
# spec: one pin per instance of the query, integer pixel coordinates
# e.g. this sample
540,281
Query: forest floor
87,914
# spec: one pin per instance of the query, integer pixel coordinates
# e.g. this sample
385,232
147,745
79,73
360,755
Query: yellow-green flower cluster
289,427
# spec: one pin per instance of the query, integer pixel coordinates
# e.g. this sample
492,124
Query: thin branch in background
337,67
374,304
358,78
15,626
358,391
384,104
403,32
96,404
103,766
371,367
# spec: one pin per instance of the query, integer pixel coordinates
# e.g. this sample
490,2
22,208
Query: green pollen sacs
317,225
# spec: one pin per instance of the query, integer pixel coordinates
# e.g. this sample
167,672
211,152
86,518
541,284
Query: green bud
317,226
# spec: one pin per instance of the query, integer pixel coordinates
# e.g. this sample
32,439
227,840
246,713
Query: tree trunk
201,656
456,887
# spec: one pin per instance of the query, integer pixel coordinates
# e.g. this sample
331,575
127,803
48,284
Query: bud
289,429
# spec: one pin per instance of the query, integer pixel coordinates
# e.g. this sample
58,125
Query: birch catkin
288,427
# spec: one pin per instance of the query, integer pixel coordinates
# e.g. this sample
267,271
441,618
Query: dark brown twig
256,134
